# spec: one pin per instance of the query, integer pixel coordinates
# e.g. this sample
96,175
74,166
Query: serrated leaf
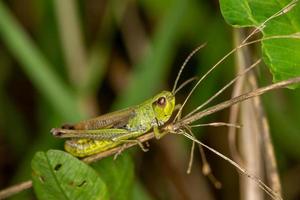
282,56
58,175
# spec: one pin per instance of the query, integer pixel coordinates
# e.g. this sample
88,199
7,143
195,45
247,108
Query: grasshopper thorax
163,105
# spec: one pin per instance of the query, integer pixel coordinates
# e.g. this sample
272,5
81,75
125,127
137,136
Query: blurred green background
63,61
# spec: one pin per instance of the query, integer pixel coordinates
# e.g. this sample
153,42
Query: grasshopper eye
161,101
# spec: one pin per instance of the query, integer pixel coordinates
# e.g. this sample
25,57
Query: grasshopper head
163,105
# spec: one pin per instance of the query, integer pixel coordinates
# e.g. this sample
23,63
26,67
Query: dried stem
7,192
249,137
233,101
170,127
269,154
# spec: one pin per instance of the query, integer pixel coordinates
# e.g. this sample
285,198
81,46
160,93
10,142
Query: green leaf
282,56
118,175
58,175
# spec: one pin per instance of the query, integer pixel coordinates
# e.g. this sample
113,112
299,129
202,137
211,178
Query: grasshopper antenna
216,124
225,87
184,64
185,83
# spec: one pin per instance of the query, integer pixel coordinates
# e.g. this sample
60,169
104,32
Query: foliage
58,175
282,56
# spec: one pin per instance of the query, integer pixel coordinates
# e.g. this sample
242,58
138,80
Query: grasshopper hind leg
87,147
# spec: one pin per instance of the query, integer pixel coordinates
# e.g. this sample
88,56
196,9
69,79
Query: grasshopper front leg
124,146
158,133
124,138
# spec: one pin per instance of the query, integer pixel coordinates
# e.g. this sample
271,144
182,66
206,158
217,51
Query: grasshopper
99,134
112,129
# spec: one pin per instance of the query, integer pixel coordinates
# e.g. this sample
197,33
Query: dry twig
14,189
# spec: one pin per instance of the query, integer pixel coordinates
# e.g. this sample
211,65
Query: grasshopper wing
117,119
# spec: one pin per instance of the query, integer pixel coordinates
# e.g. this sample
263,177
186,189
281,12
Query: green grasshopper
99,134
112,129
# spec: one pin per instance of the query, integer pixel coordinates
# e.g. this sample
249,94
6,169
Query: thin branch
170,127
236,100
7,192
